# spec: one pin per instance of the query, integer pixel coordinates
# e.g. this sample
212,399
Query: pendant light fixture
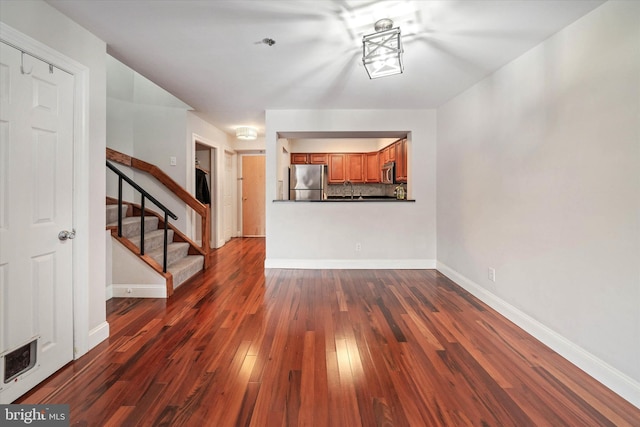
382,50
246,133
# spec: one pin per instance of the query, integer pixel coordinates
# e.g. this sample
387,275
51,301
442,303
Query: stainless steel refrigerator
307,182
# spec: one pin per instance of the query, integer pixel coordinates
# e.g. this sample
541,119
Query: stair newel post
142,226
164,259
119,206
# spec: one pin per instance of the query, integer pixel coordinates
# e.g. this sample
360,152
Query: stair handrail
144,194
200,208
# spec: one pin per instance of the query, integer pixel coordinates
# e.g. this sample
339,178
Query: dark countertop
354,200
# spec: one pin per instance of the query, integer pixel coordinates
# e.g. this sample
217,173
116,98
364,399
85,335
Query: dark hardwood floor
240,346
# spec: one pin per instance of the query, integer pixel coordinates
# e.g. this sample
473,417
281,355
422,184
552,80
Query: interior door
36,204
253,196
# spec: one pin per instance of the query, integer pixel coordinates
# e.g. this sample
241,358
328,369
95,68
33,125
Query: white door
36,203
227,196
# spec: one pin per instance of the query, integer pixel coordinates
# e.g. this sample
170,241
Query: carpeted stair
179,263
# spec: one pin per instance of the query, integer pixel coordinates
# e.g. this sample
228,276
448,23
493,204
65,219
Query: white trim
355,264
81,255
618,382
138,291
98,334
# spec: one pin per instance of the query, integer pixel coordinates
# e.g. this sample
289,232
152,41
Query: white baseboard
108,293
351,264
139,291
618,382
98,334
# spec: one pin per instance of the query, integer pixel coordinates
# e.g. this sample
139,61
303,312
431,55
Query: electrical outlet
358,247
173,161
492,274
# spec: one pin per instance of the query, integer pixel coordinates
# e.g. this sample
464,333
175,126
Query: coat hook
22,65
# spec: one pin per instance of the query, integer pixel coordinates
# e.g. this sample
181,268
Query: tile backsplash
361,190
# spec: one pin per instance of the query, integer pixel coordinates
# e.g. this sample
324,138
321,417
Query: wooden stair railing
200,208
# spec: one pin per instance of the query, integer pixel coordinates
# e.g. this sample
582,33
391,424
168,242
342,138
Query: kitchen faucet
350,184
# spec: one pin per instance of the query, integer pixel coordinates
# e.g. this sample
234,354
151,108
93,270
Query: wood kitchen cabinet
358,167
309,159
346,167
384,156
401,160
392,152
318,158
299,158
337,168
354,167
372,167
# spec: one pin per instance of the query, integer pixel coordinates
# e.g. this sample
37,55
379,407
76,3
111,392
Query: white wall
41,22
322,235
148,123
120,114
250,145
539,178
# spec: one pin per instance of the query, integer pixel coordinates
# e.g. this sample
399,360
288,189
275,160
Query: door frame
83,339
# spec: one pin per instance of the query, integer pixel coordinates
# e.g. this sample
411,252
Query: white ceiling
209,53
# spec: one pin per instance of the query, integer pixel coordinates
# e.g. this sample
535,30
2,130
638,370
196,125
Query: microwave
389,173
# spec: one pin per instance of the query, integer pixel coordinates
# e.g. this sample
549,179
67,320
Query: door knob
64,234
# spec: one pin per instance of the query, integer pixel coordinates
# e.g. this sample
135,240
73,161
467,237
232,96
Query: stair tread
133,220
112,213
185,261
186,268
171,248
152,234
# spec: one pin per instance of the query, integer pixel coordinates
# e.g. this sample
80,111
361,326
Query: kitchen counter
347,199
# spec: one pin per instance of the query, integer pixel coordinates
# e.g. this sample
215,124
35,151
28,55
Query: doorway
205,188
253,195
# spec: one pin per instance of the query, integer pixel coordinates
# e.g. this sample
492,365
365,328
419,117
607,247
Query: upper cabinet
392,152
299,158
401,160
318,158
309,159
372,170
355,167
384,156
359,167
346,167
336,168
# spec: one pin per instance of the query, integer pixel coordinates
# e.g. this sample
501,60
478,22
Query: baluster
166,223
142,226
119,206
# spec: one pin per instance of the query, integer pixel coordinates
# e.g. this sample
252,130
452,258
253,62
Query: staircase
183,259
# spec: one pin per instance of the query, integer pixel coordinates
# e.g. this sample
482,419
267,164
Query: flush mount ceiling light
246,132
382,50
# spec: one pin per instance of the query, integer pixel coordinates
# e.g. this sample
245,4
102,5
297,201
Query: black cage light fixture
382,50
